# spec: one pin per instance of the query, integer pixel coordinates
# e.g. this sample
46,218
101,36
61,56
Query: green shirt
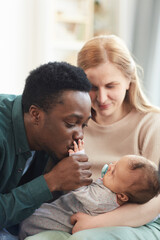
18,202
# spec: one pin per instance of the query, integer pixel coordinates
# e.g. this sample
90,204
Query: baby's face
119,178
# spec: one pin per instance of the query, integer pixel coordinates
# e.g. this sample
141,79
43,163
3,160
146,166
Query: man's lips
70,147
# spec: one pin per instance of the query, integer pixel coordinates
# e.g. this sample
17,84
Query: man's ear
34,112
123,197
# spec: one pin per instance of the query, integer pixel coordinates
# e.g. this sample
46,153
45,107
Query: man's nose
78,134
101,96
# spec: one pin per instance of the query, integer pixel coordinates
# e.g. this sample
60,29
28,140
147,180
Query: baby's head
133,178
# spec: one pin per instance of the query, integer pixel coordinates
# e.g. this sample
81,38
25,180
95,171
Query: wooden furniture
73,26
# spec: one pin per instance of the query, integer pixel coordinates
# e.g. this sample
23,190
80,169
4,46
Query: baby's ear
123,197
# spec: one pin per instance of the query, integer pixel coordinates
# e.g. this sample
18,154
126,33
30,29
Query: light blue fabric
5,235
28,162
50,235
150,231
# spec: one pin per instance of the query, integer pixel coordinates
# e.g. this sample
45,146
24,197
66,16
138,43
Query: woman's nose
101,96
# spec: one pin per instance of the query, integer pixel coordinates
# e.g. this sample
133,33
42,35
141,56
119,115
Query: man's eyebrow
74,115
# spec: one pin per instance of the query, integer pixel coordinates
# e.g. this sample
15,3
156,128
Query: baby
131,179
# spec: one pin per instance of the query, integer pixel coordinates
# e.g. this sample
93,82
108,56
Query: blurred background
34,32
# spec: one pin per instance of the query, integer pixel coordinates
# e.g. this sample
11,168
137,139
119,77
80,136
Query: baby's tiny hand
77,148
80,145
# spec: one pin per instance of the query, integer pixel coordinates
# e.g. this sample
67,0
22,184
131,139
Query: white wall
27,35
27,38
125,20
25,42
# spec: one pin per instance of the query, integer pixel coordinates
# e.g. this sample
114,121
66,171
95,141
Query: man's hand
70,173
81,221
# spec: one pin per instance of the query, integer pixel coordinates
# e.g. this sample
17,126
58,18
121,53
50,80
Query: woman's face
108,92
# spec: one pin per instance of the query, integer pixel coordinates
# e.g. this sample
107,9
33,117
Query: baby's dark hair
45,84
149,186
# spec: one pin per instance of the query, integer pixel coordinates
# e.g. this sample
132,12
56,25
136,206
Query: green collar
19,128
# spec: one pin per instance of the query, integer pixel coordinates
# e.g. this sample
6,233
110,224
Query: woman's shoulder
151,115
149,121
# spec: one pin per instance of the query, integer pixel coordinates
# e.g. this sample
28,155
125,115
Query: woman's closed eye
110,86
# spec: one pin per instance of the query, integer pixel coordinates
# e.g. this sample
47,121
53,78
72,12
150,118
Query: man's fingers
81,157
86,182
81,160
75,171
85,165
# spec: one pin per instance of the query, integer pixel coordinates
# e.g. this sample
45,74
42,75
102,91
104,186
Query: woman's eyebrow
113,82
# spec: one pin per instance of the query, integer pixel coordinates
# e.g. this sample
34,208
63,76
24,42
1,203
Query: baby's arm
133,215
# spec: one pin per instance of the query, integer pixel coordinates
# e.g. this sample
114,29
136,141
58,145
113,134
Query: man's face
63,124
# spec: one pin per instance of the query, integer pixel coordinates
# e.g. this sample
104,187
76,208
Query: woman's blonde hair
111,48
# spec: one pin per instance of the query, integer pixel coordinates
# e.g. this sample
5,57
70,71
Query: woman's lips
104,106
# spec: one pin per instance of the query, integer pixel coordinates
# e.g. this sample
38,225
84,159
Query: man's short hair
45,84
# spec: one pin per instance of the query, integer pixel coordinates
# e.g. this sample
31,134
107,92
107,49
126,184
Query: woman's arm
132,215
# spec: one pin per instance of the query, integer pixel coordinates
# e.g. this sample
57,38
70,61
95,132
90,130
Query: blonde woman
123,122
